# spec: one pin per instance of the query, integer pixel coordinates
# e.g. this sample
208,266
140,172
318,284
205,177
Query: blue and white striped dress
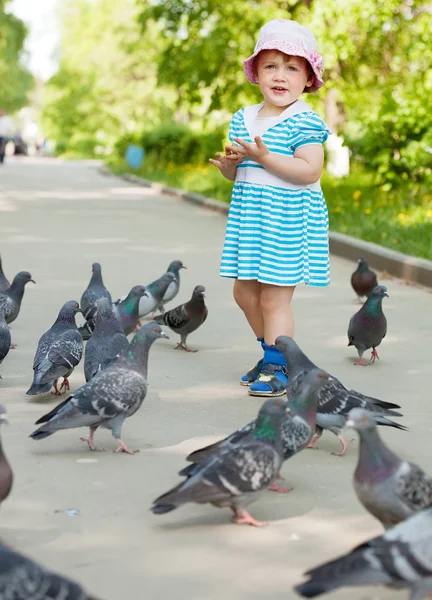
277,232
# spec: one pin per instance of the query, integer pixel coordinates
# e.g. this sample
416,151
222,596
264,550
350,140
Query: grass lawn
399,220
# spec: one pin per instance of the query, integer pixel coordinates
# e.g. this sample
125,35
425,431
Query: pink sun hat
290,38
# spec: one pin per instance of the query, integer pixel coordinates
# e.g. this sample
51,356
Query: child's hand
255,151
226,163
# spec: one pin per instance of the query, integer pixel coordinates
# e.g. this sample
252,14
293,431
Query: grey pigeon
23,579
187,317
10,299
6,475
363,280
334,399
107,342
155,292
127,310
368,327
4,283
109,397
236,476
5,337
390,488
91,295
58,352
174,287
400,559
297,427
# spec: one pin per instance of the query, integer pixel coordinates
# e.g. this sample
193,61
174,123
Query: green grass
400,220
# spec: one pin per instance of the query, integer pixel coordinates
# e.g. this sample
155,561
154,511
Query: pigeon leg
183,346
275,487
123,448
360,362
374,355
65,384
241,516
313,441
344,447
90,441
57,391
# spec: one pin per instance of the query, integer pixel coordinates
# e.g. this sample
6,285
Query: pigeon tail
46,418
39,388
161,509
160,319
169,501
40,434
189,470
311,589
380,420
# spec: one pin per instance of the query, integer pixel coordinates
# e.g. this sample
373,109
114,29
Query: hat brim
286,48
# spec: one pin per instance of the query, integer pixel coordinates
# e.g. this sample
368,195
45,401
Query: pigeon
4,283
297,427
107,342
10,299
186,318
5,337
6,475
109,397
368,327
236,476
94,291
174,287
401,558
23,579
334,399
390,488
58,353
363,280
155,293
126,311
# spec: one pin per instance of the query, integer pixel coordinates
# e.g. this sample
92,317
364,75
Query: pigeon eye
155,330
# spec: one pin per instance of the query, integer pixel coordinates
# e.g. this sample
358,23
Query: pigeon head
22,278
3,415
104,308
362,265
175,267
141,342
294,357
379,292
360,419
269,419
68,311
199,291
96,268
138,291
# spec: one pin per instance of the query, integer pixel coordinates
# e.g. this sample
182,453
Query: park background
166,75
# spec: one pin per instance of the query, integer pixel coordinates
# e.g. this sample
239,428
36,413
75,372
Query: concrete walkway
56,218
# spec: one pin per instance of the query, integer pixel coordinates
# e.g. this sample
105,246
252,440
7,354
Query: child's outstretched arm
303,168
227,164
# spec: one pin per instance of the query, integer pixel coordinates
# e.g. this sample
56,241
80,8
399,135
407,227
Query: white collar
251,113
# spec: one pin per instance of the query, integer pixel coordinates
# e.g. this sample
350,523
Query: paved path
56,218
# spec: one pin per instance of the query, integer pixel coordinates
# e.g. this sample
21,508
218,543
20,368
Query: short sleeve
234,129
310,129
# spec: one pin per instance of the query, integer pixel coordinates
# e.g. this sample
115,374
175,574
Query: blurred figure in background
6,125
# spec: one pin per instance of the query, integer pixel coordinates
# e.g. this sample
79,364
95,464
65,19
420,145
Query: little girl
277,230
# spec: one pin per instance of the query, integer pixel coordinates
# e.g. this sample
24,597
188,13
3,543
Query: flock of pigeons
233,472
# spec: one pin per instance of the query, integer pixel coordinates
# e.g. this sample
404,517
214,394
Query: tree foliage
15,80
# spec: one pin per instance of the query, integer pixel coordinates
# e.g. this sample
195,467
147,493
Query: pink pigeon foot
344,447
123,448
242,517
57,392
313,442
65,384
90,442
181,346
360,362
374,355
275,487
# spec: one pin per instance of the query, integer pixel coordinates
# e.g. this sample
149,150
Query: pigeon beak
146,295
32,280
183,267
385,294
164,335
350,423
78,310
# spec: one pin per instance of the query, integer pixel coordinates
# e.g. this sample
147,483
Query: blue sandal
252,375
272,381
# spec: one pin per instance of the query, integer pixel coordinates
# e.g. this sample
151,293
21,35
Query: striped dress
277,232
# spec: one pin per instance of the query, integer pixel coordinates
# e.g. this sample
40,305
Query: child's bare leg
278,320
247,294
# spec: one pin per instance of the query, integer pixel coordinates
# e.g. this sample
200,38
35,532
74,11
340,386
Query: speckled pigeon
297,427
334,399
155,292
368,327
363,280
23,579
93,292
4,283
390,488
5,337
174,287
10,300
6,475
58,353
236,476
186,318
107,342
109,397
401,558
127,311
